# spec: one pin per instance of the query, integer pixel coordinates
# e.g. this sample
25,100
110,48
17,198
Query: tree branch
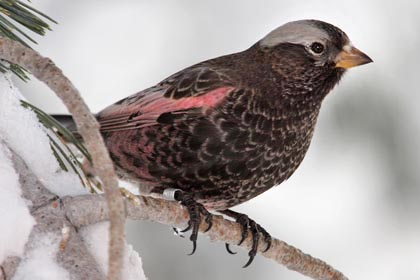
45,70
50,218
90,209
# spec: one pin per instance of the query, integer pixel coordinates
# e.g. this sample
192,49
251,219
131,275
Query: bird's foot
249,226
195,211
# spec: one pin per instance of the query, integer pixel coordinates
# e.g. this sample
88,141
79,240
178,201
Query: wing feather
179,94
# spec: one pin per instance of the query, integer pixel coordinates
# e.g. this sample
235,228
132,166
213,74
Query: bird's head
312,49
320,42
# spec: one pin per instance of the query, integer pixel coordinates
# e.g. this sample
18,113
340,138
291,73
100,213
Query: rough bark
90,209
50,216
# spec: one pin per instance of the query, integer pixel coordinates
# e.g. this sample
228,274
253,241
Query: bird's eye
317,48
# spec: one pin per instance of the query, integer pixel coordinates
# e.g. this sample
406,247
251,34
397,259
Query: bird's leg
194,209
249,225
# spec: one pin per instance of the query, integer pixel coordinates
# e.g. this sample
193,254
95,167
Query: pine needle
15,17
65,159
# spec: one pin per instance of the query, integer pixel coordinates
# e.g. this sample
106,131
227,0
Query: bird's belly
274,168
222,168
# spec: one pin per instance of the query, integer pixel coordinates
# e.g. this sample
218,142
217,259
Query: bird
221,132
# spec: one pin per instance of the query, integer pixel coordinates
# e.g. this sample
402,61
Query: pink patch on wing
207,100
147,109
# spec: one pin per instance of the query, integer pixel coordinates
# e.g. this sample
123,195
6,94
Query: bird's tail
68,122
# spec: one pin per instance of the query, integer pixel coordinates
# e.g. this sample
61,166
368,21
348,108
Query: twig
45,70
90,209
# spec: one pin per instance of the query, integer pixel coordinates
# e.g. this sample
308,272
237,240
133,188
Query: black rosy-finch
225,130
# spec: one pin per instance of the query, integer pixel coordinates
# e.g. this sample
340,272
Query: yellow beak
350,57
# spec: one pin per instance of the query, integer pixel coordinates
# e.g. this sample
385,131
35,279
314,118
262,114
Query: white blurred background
354,202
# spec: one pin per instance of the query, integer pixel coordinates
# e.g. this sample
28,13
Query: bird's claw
250,226
195,211
229,250
244,221
267,238
177,232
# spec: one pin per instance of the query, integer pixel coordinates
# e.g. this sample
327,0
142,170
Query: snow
39,261
22,132
98,247
13,236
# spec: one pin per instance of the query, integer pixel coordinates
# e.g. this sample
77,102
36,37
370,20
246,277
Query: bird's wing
190,90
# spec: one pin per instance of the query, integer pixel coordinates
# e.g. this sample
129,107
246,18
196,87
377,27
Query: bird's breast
262,146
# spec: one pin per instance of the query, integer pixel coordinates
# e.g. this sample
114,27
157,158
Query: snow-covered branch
45,70
56,249
52,230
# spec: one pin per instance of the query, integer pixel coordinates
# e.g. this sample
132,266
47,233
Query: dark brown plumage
225,130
